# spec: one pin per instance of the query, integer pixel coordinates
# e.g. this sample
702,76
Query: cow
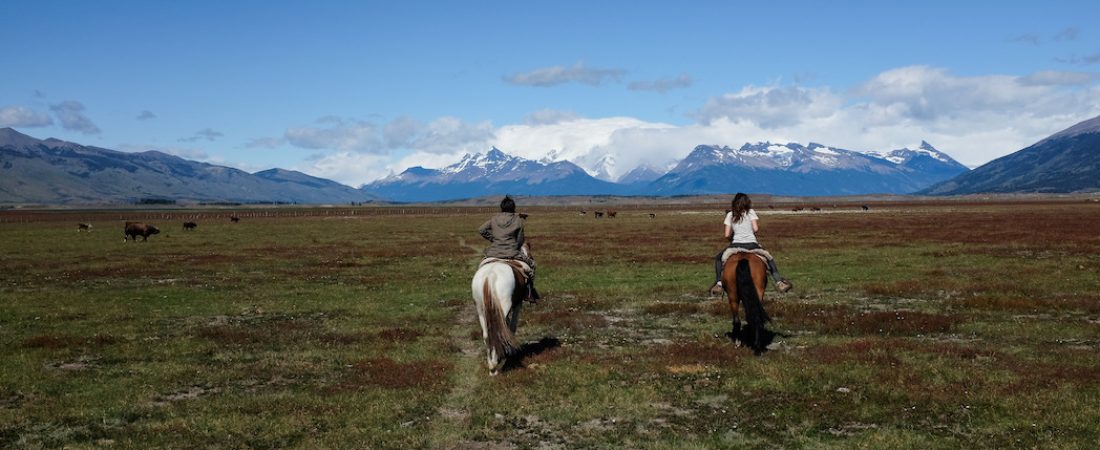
190,226
815,209
583,212
611,213
83,227
652,216
865,207
234,219
135,229
598,214
522,216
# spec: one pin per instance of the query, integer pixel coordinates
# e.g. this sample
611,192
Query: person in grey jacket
504,231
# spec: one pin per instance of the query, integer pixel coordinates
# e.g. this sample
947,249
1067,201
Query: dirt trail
454,413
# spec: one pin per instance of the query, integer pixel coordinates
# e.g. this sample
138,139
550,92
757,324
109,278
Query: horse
498,289
744,277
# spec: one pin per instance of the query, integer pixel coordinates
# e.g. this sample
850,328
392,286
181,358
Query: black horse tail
746,294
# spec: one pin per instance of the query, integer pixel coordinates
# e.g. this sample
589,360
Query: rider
741,228
504,231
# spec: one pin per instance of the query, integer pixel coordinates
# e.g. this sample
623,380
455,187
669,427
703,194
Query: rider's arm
755,226
486,230
729,232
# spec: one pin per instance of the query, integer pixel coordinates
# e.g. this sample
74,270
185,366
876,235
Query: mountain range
59,172
784,169
53,171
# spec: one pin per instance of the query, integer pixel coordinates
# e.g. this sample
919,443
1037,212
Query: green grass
909,328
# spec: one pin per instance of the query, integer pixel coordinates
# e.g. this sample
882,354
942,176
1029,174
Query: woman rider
741,228
504,231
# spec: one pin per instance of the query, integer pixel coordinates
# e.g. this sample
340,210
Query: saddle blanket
515,263
761,253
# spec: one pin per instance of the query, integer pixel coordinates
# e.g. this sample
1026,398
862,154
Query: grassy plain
954,326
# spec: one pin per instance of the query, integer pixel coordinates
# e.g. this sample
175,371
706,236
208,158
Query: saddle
520,269
759,252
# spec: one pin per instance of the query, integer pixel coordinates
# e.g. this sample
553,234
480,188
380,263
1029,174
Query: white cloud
556,75
771,107
338,134
348,167
71,115
23,117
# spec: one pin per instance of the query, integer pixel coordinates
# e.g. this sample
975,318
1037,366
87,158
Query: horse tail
501,338
746,293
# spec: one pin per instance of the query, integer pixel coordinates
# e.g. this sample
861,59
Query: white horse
499,288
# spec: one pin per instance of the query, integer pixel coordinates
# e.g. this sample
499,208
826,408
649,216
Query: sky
355,91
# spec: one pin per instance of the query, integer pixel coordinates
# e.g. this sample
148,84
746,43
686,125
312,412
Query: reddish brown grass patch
67,341
389,374
396,335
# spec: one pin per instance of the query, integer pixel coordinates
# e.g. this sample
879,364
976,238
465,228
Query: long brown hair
740,206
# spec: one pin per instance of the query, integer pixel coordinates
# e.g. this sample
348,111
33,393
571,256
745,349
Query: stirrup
717,289
783,286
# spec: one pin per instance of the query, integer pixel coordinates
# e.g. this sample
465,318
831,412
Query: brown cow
135,229
611,213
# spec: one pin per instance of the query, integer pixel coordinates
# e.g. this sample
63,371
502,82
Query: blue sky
356,90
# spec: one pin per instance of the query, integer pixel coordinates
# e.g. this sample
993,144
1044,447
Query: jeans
772,269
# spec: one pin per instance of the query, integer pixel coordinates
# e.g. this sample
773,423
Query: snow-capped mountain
491,173
641,175
794,169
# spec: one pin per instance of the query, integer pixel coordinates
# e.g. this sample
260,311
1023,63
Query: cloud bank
973,118
22,117
556,75
71,115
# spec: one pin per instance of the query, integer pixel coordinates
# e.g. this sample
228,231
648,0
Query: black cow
190,226
865,207
135,229
234,219
84,227
651,215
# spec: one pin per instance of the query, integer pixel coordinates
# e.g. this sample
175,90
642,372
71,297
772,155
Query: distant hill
58,172
1067,161
492,173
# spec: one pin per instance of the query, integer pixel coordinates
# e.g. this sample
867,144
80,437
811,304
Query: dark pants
772,269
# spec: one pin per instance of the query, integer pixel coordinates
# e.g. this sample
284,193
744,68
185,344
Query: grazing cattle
652,216
865,207
583,212
84,227
815,209
190,226
798,209
234,219
611,213
522,216
598,214
135,229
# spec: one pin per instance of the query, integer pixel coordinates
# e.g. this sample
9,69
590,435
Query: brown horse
744,277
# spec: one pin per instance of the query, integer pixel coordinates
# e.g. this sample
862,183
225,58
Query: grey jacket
504,231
